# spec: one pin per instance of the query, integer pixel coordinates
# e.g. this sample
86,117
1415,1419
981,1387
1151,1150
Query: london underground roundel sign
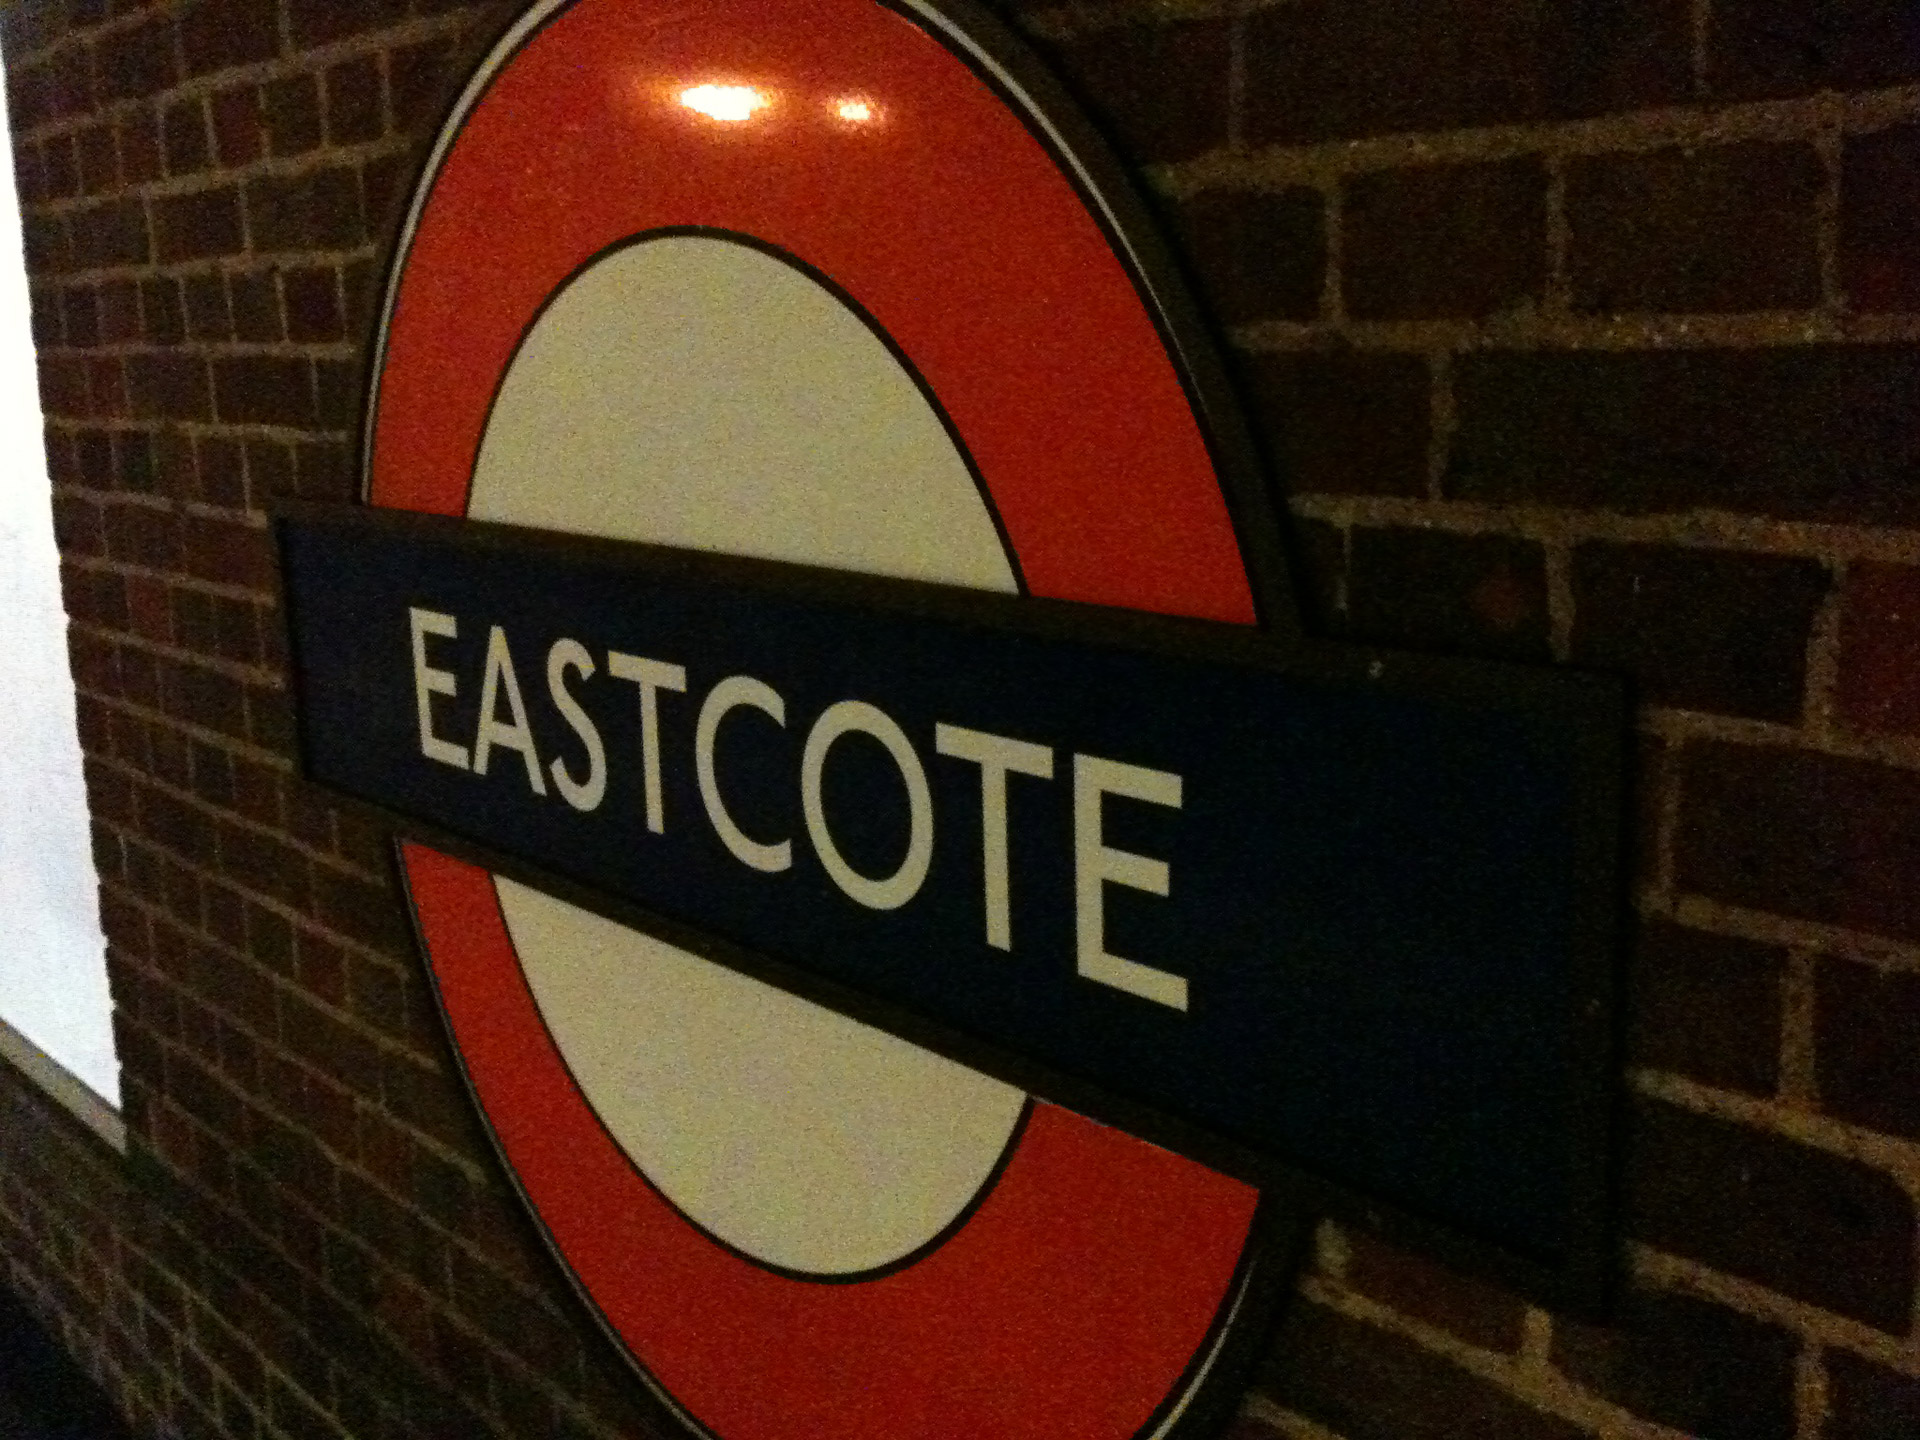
826,282
904,894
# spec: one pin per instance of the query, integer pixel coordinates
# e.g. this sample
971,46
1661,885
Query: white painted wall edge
63,1085
53,971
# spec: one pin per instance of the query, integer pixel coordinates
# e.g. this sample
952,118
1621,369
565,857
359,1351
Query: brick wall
1579,330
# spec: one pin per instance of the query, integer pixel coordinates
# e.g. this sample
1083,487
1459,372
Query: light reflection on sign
730,104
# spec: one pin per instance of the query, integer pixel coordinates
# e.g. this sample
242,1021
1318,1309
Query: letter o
901,886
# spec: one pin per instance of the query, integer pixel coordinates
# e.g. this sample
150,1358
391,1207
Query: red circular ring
1081,1292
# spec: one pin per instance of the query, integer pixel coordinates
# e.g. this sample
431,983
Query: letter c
733,691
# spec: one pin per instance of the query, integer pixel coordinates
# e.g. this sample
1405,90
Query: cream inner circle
696,392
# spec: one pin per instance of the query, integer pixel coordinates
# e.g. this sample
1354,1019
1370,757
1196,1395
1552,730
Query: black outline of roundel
1281,1225
1207,1391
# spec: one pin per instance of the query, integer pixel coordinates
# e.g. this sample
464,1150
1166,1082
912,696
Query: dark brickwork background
1577,330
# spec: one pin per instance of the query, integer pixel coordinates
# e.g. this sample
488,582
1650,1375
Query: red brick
364,842
203,697
1369,1384
1879,678
312,300
29,172
137,61
208,316
419,84
1812,836
315,22
1675,229
322,969
324,1042
140,683
239,127
99,158
381,998
269,938
148,607
384,187
309,817
341,387
256,795
49,244
263,390
253,299
270,472
193,621
1257,255
1652,778
79,318
113,232
356,101
256,861
1468,1308
174,473
138,138
323,470
1706,1006
503,1311
1866,1401
317,210
74,83
162,320
1867,1061
1687,1364
63,386
1158,90
360,282
1805,432
1827,1230
236,633
29,89
181,828
63,462
183,130
118,311
199,224
292,109
1713,630
1431,589
221,465
1764,48
1340,69
1879,234
142,536
228,552
215,34
107,387
168,386
1445,240
77,527
60,167
361,911
92,661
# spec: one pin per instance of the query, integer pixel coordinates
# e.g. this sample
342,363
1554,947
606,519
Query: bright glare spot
854,112
731,103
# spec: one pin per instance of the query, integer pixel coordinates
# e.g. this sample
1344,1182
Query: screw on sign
833,346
